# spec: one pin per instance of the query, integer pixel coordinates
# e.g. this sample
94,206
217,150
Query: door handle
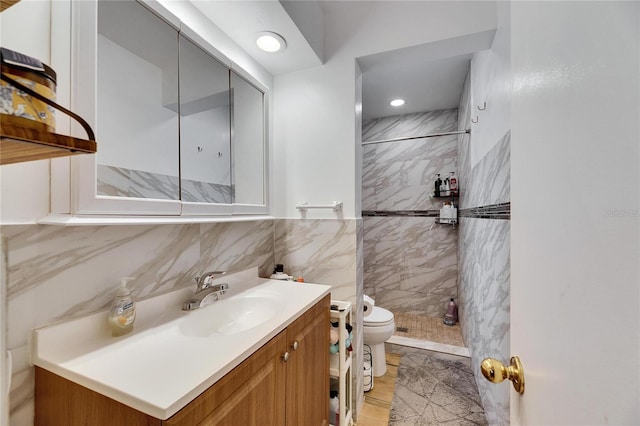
495,372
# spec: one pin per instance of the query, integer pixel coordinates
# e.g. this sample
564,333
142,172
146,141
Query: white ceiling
424,85
429,77
243,20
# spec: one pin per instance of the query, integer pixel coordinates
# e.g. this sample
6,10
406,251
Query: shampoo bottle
451,316
453,183
123,311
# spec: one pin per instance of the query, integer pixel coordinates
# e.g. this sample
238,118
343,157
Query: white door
4,367
575,212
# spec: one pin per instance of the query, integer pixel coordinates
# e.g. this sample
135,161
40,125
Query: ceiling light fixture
397,102
271,42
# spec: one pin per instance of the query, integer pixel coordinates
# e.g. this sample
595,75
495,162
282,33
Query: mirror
205,135
248,119
137,81
174,122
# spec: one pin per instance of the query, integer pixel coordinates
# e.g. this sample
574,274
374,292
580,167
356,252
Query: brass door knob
494,371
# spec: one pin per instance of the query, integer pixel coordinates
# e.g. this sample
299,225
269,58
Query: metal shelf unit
341,363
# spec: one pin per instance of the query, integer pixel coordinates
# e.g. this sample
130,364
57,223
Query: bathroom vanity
268,365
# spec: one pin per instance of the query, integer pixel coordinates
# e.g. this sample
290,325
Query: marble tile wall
326,251
206,192
484,278
484,262
122,182
401,175
410,264
490,181
57,273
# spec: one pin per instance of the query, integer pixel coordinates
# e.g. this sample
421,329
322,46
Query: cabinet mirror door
248,137
137,93
205,134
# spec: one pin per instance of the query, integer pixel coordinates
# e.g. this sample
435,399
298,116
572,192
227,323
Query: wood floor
377,402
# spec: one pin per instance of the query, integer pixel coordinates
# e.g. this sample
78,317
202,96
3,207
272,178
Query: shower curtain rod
433,135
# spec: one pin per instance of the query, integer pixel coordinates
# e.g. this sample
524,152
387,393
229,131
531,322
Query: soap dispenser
123,311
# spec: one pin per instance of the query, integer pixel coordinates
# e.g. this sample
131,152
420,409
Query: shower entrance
410,261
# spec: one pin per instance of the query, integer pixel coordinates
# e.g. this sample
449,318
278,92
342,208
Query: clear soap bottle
123,311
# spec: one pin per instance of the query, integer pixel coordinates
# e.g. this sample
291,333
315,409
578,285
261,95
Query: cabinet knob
294,345
285,357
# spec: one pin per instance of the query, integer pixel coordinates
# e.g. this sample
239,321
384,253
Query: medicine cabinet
182,129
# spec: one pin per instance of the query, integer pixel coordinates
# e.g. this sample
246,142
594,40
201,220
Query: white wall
25,28
491,84
315,129
576,211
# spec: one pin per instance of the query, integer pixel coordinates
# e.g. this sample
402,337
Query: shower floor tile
427,328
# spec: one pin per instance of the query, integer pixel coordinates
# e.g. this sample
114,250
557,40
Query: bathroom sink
191,349
229,316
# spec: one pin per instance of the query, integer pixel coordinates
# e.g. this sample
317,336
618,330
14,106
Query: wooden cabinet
282,383
251,394
308,368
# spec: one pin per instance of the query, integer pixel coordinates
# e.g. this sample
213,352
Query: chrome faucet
206,288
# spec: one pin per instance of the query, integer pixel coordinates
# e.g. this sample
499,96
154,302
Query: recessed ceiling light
270,42
397,102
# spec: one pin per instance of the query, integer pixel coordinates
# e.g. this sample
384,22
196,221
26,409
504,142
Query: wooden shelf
22,140
6,4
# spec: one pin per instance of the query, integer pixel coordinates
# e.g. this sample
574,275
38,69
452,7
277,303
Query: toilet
378,328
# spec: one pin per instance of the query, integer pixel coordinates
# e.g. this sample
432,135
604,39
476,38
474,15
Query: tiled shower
410,262
413,266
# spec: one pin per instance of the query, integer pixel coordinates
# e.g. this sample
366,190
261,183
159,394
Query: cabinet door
124,60
249,136
251,394
59,401
205,130
308,367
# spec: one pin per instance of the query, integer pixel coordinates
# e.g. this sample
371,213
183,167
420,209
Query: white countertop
158,368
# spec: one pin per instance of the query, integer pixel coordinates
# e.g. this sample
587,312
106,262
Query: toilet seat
379,317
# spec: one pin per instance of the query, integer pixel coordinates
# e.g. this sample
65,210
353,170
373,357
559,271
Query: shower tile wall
410,263
484,263
65,272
